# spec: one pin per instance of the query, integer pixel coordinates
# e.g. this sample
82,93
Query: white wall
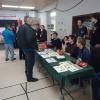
33,13
64,19
43,18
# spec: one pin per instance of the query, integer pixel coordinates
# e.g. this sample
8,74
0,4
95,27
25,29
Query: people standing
43,35
38,32
26,38
81,30
14,31
8,38
95,55
21,54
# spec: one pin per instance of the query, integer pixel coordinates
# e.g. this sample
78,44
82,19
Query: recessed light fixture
21,7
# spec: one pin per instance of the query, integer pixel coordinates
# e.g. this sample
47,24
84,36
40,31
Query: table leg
90,81
38,65
53,82
69,94
62,98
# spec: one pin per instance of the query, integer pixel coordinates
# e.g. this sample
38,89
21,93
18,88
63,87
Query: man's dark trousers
29,62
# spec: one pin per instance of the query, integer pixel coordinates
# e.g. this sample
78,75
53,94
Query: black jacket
95,59
38,33
43,36
72,49
95,38
81,32
56,43
26,37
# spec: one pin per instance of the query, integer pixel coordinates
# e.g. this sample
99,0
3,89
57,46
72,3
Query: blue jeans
9,49
29,62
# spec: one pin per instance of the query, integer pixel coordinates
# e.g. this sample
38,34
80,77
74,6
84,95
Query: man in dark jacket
95,51
95,38
81,30
26,38
55,41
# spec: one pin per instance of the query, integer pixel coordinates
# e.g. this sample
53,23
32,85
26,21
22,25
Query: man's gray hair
26,17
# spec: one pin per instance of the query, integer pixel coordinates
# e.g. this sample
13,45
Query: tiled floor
12,76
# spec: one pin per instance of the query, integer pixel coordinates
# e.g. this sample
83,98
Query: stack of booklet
51,60
67,66
47,53
50,55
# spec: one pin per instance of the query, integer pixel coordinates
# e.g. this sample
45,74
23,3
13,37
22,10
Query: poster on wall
86,22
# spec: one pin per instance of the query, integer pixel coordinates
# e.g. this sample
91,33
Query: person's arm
12,35
83,56
35,40
67,49
3,35
20,37
74,52
30,36
85,31
86,56
98,37
44,35
52,42
59,44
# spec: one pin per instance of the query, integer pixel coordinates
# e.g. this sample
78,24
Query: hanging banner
7,17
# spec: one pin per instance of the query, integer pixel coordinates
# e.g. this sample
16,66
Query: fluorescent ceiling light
22,7
26,7
9,6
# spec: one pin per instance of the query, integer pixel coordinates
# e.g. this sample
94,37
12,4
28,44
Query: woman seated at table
71,48
83,52
64,43
55,41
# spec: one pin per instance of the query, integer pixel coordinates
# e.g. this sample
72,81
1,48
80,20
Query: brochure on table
67,66
47,53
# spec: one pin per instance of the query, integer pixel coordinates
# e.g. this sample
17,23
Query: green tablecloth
62,78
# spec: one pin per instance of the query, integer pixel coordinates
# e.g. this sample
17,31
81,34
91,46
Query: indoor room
49,49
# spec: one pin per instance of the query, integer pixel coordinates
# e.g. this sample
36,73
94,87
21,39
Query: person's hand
78,61
66,42
97,46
